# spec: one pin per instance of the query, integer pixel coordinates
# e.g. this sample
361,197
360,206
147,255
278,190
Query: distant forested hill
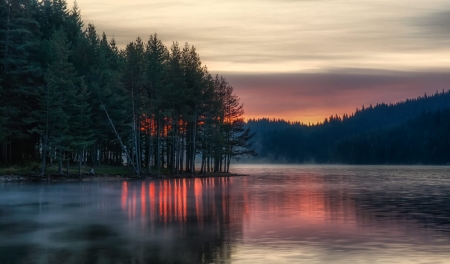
415,131
422,140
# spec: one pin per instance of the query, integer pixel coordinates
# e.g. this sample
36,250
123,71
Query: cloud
434,25
291,36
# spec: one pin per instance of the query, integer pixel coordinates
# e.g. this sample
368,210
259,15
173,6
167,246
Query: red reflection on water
143,202
124,195
184,196
246,200
152,198
173,200
169,202
133,214
198,200
161,199
178,201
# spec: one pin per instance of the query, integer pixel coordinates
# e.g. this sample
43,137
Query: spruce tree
56,101
19,71
156,59
52,15
81,132
74,24
177,97
133,80
193,73
3,116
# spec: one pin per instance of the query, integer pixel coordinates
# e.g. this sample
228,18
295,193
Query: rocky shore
12,178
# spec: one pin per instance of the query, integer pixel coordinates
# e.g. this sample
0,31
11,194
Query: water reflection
278,214
337,214
179,201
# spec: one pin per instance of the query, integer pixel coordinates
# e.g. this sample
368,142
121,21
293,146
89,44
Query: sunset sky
299,60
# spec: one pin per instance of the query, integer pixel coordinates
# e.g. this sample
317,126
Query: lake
276,214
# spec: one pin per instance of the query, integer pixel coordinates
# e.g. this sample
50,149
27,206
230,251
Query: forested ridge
415,131
69,96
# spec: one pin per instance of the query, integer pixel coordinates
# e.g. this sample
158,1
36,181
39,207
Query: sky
301,60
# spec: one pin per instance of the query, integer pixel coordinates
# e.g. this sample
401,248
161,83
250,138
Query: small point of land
102,173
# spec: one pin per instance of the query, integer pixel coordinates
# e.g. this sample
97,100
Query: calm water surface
277,214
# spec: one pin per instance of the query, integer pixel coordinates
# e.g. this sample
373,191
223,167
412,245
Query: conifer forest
415,131
69,96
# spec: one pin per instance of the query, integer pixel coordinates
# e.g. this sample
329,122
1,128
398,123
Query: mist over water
276,214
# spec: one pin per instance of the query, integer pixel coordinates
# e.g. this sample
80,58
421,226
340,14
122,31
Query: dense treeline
423,140
71,96
411,132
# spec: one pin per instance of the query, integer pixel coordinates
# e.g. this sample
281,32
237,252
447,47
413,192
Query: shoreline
107,177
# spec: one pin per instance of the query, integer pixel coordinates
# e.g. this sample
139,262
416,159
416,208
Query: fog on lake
275,214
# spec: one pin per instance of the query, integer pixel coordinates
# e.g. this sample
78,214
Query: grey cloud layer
435,25
311,34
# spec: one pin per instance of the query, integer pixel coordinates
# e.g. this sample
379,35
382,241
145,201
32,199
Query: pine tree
52,15
3,116
81,132
238,143
74,24
233,112
177,97
156,107
19,71
111,94
133,75
55,102
194,74
209,117
101,64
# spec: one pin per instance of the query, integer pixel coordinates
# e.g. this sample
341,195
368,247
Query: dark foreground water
277,214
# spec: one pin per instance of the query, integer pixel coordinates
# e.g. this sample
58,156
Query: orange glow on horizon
295,117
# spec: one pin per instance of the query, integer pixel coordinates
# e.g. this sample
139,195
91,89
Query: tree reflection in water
182,220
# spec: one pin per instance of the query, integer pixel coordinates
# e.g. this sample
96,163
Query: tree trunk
188,149
158,148
183,148
10,148
120,141
4,151
174,147
149,152
138,146
51,150
203,168
194,133
80,159
60,160
44,155
67,165
177,157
